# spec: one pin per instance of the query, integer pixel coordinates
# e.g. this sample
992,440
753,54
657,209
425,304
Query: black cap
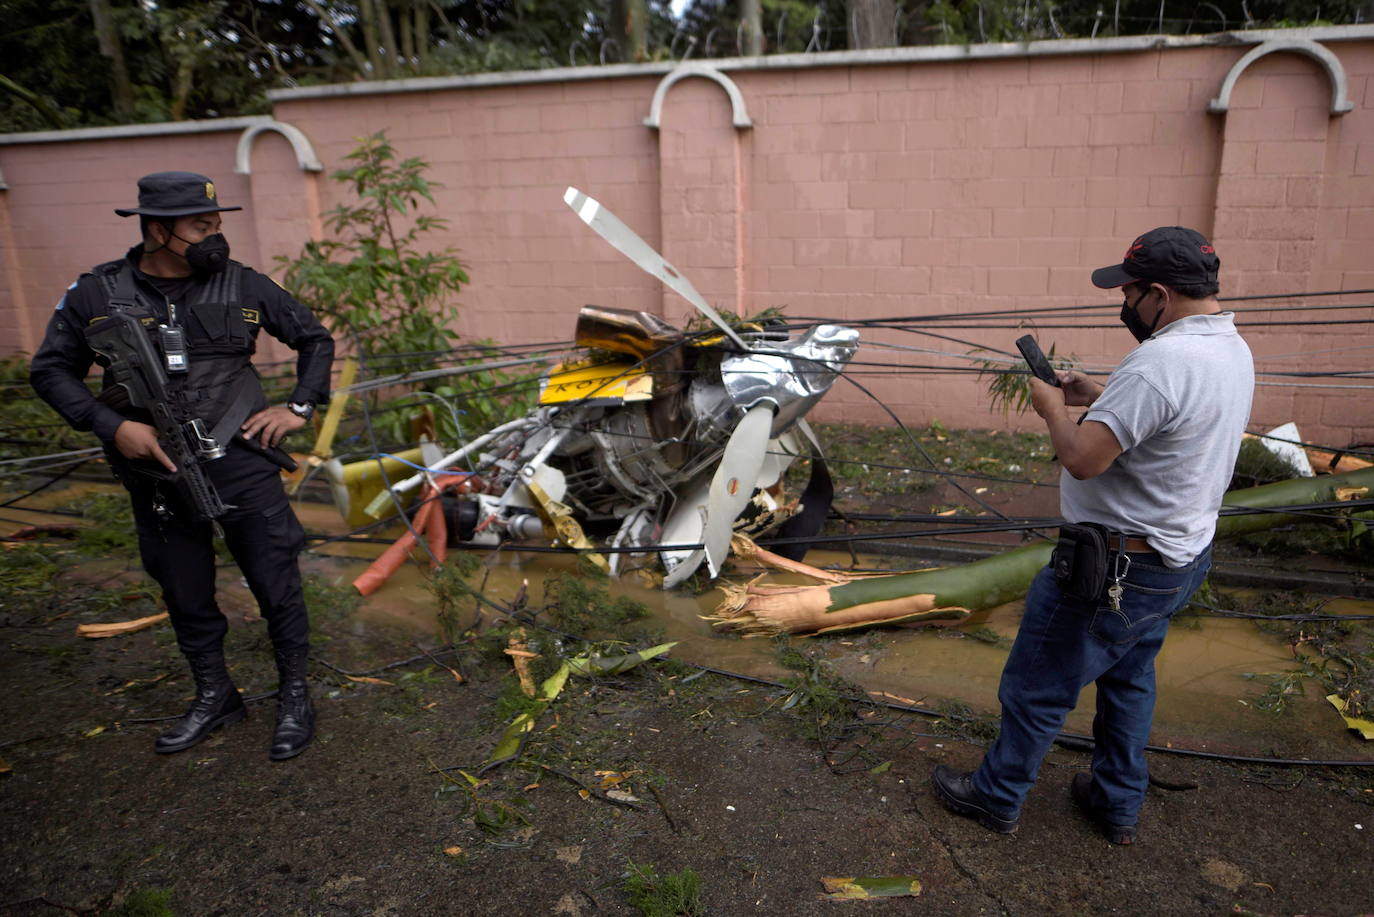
1172,255
174,194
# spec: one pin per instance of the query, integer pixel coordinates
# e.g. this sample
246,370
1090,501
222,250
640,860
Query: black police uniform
221,315
261,531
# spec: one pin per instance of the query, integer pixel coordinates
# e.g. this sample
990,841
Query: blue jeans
1062,645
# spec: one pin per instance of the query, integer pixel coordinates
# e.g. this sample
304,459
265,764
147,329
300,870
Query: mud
376,818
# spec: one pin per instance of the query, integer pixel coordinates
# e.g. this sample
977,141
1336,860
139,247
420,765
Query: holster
1081,558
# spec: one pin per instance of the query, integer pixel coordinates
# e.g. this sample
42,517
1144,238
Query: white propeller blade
624,240
733,483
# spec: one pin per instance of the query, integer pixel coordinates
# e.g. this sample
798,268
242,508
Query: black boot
217,703
295,714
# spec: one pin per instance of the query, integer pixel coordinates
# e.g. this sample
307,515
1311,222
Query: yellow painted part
597,381
560,518
324,443
1364,727
363,481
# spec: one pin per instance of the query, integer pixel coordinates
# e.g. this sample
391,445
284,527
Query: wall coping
121,131
874,57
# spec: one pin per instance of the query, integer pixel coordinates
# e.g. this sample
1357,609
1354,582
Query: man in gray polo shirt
1149,462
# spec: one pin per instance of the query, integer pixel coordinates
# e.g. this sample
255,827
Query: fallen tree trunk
949,595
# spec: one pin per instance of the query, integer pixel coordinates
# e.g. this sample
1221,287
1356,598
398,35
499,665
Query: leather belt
1137,545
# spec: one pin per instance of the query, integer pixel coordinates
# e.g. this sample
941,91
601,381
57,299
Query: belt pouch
1080,560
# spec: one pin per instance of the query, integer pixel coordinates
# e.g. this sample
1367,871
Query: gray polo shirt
1178,405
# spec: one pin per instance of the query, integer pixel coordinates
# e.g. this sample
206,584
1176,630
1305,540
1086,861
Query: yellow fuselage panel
598,383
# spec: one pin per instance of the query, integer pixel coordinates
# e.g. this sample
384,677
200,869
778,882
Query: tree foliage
386,295
373,281
70,63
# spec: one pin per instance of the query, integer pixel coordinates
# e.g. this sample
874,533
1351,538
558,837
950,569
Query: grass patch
406,698
29,573
328,601
959,721
1256,465
887,461
109,532
989,636
585,606
491,817
1345,538
458,601
144,902
512,702
674,894
28,425
821,703
110,524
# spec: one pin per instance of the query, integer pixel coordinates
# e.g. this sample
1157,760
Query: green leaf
614,665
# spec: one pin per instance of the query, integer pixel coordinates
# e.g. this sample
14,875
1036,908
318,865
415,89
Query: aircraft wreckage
656,447
655,437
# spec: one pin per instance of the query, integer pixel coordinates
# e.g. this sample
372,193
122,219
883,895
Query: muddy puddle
1206,702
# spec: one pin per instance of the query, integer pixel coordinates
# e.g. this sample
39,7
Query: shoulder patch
251,316
62,303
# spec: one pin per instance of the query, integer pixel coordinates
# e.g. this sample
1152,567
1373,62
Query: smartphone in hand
1035,357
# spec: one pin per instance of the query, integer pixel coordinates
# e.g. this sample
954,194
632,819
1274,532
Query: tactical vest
220,385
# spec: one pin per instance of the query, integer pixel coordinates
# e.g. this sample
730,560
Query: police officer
203,312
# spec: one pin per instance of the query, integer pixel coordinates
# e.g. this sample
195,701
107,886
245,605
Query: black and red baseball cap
1172,255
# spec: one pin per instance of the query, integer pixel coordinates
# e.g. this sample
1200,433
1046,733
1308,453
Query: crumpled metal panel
791,375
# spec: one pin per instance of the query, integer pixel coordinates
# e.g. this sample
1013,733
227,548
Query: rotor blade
684,525
733,483
624,240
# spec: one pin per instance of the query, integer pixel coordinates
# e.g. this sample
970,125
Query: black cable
49,482
973,528
915,442
1014,326
1063,738
1352,449
1042,310
1218,611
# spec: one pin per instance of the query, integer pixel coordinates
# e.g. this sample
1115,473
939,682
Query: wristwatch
302,409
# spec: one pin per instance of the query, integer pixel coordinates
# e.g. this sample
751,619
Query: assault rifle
135,366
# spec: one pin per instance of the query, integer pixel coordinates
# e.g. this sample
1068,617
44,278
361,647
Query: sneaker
955,789
1081,791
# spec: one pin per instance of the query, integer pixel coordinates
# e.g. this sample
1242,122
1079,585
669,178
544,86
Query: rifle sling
240,406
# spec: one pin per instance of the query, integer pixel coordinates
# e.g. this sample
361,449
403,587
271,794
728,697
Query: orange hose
429,520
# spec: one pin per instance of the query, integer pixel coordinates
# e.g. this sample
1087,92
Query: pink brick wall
60,207
923,188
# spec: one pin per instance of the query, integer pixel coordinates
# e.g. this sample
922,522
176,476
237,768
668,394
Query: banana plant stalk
949,595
